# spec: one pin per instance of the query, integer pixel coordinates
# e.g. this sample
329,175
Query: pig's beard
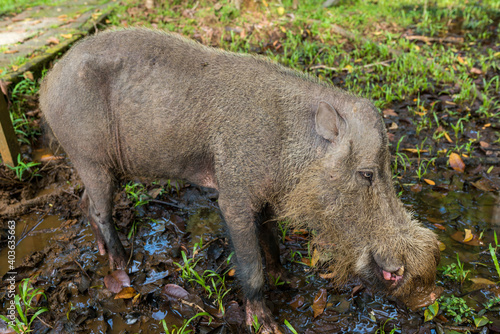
351,225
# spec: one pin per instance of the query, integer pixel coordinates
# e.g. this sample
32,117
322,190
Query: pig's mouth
391,277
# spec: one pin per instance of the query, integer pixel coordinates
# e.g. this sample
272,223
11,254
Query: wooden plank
9,149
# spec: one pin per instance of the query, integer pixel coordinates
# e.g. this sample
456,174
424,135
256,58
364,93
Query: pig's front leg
243,232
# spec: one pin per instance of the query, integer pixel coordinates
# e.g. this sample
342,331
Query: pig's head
346,197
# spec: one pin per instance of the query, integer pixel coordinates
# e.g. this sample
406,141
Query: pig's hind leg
97,203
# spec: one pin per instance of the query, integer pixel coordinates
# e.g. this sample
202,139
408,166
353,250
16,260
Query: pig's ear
328,121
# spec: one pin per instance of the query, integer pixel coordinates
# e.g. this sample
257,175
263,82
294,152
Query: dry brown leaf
432,183
11,51
439,226
414,150
29,75
231,272
484,144
314,258
116,280
319,302
435,220
53,40
483,185
67,36
416,188
389,112
447,137
327,276
15,68
476,71
482,281
468,235
460,237
457,163
126,293
50,157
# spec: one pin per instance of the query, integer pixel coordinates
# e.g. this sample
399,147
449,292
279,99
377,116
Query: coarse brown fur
144,103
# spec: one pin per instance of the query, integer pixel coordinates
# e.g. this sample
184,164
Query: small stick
83,271
31,229
336,69
166,203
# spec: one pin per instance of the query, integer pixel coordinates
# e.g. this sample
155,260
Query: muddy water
90,308
32,234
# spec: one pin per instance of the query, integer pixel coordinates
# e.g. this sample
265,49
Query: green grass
16,6
26,311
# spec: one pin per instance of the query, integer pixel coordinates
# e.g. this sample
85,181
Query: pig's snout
390,269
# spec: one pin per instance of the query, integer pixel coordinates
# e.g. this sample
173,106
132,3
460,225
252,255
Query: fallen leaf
435,220
483,184
126,293
29,75
416,188
15,68
476,71
442,246
116,280
281,11
457,163
319,302
439,226
231,272
460,237
484,144
414,150
389,112
173,290
11,51
481,321
327,276
297,301
314,258
135,301
67,36
393,126
52,40
447,136
482,281
432,183
49,157
468,235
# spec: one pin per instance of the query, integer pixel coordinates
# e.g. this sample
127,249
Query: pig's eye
366,175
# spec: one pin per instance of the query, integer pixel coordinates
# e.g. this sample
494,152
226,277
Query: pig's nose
392,270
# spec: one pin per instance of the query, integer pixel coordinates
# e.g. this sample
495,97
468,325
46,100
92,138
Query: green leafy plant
456,308
455,271
493,253
381,330
290,327
136,192
26,312
184,328
23,168
255,324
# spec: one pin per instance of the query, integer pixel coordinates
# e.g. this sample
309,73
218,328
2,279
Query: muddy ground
159,222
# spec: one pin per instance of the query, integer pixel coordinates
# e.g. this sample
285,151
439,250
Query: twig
83,271
449,39
67,192
166,203
464,329
193,305
31,229
43,322
204,247
336,69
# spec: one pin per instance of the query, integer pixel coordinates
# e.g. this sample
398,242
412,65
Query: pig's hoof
259,316
117,261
